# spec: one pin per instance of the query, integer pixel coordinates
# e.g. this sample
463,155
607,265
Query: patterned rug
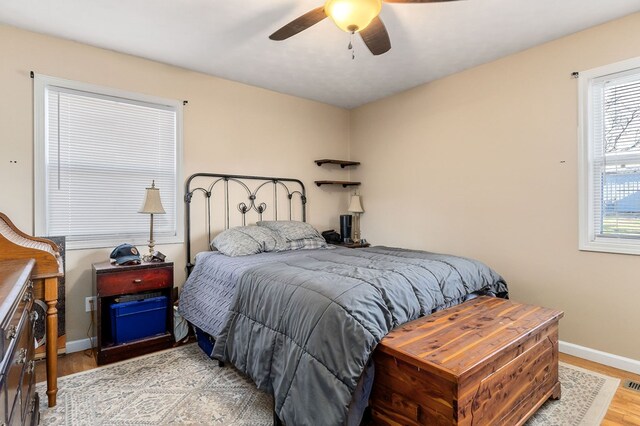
183,386
586,396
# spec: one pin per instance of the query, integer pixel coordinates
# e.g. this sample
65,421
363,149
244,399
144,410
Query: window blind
615,121
101,153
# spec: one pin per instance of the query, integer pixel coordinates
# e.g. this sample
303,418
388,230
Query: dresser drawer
18,358
9,330
4,412
27,389
124,282
32,417
28,393
16,419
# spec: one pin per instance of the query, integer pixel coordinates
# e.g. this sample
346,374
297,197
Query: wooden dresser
48,268
488,361
19,402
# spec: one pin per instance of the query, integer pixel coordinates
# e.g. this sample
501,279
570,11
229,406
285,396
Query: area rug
183,386
586,396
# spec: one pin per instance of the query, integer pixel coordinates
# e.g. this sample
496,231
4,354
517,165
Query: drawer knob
11,332
22,356
28,297
30,285
137,281
32,366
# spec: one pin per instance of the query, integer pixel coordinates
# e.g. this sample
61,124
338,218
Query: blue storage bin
205,341
138,319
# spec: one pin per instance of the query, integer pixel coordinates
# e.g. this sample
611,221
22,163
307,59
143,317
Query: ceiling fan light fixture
352,15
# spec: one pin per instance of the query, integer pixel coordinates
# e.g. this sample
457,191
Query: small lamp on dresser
152,205
355,206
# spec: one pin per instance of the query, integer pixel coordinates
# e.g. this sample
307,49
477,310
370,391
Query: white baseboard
605,358
79,345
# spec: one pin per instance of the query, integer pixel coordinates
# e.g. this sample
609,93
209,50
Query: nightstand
352,245
115,286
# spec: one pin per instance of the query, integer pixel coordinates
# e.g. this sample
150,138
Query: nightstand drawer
124,282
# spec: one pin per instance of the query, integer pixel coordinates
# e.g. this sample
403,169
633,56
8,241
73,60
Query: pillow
307,244
245,240
291,230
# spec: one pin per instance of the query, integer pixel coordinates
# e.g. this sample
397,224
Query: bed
303,324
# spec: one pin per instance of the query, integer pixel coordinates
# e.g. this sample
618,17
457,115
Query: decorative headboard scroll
237,195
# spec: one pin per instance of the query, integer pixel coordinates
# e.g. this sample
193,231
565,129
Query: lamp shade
152,203
352,15
355,206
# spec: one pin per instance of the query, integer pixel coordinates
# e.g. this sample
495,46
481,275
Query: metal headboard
208,182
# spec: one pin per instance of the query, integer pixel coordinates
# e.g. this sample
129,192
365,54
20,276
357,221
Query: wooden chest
488,361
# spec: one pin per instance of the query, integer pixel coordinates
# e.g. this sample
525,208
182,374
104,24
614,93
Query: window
610,158
96,150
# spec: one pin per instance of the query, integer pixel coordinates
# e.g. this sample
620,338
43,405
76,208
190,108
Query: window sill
141,243
612,245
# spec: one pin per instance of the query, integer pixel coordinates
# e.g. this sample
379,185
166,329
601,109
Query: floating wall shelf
341,163
336,182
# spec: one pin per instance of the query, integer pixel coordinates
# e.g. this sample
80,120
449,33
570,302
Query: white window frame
41,83
587,239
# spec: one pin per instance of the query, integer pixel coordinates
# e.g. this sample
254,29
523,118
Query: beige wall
483,164
228,128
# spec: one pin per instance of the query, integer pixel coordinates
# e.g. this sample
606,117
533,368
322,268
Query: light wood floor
624,409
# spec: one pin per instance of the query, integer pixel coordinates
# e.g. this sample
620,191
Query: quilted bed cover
304,324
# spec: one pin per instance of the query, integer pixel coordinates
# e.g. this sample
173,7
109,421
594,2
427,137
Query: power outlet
90,304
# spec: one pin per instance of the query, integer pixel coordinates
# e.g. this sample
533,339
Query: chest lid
458,340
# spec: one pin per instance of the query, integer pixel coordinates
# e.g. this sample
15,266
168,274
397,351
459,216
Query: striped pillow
307,244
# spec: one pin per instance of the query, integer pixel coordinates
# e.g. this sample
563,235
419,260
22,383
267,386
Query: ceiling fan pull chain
350,47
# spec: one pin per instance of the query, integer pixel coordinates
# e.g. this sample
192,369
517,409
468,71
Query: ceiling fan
352,16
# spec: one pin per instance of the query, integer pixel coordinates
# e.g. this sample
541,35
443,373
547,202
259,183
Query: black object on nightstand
149,283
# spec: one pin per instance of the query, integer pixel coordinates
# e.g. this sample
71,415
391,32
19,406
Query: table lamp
152,205
355,206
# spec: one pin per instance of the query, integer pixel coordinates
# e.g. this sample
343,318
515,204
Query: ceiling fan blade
376,37
299,24
416,1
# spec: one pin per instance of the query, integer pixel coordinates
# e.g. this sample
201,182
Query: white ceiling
229,38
